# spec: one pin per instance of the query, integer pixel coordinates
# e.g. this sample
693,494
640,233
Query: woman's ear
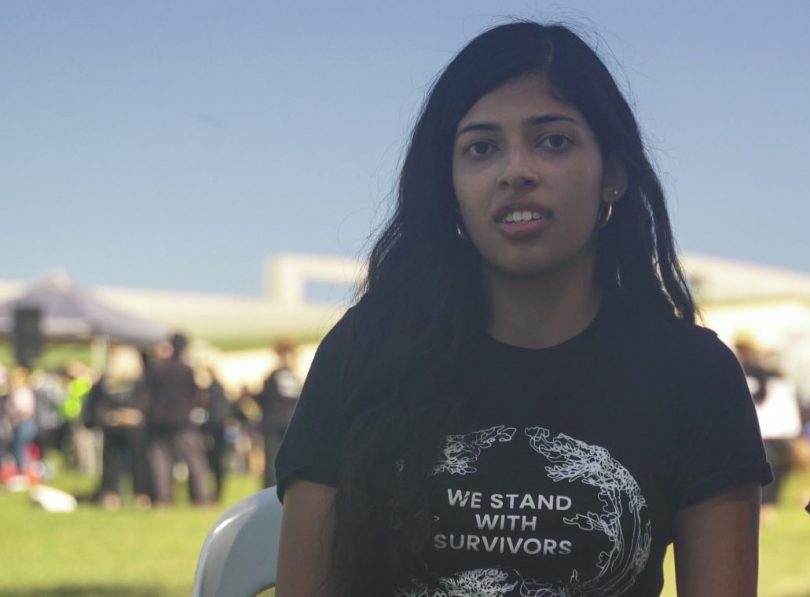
614,179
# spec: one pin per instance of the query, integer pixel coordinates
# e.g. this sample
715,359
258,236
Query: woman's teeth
521,216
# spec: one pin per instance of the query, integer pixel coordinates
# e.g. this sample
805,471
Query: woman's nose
517,171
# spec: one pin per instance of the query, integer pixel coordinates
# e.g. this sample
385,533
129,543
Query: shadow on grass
89,590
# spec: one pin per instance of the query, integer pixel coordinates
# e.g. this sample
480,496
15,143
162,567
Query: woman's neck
541,311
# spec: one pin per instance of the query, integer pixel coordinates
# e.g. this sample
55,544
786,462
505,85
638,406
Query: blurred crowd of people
143,423
150,419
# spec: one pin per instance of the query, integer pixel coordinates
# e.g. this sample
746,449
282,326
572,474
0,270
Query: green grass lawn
91,552
129,553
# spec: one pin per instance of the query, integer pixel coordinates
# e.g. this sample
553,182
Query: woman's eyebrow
546,118
478,126
531,121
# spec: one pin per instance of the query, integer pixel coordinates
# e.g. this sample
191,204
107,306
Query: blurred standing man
116,405
219,410
172,395
277,401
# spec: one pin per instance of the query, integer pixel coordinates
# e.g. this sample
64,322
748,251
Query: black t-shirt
278,398
107,399
172,392
565,471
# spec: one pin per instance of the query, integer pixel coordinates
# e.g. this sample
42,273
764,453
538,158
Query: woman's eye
556,142
480,149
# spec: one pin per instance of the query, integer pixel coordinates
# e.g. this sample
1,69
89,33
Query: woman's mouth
518,216
520,224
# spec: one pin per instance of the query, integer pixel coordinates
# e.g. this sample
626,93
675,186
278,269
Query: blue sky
176,144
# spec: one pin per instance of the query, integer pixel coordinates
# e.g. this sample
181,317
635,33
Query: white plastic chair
238,557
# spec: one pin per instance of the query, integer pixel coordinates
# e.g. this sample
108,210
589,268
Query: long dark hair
423,302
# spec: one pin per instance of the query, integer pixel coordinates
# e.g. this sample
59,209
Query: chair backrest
238,557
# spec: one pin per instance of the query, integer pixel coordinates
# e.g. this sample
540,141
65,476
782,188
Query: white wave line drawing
417,590
462,451
480,582
574,460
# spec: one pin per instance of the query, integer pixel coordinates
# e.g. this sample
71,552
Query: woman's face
529,177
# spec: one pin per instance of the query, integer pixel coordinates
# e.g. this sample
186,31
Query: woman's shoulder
684,362
369,330
672,339
341,343
358,316
341,332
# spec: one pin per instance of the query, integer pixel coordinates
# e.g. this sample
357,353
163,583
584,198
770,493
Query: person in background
21,411
779,418
757,372
77,380
6,431
277,402
50,395
249,446
116,404
219,410
171,395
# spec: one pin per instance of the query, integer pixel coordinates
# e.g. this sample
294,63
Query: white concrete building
768,304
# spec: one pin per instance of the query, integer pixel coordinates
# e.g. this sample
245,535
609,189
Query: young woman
520,402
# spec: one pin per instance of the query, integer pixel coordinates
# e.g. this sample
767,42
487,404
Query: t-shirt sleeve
718,441
312,441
